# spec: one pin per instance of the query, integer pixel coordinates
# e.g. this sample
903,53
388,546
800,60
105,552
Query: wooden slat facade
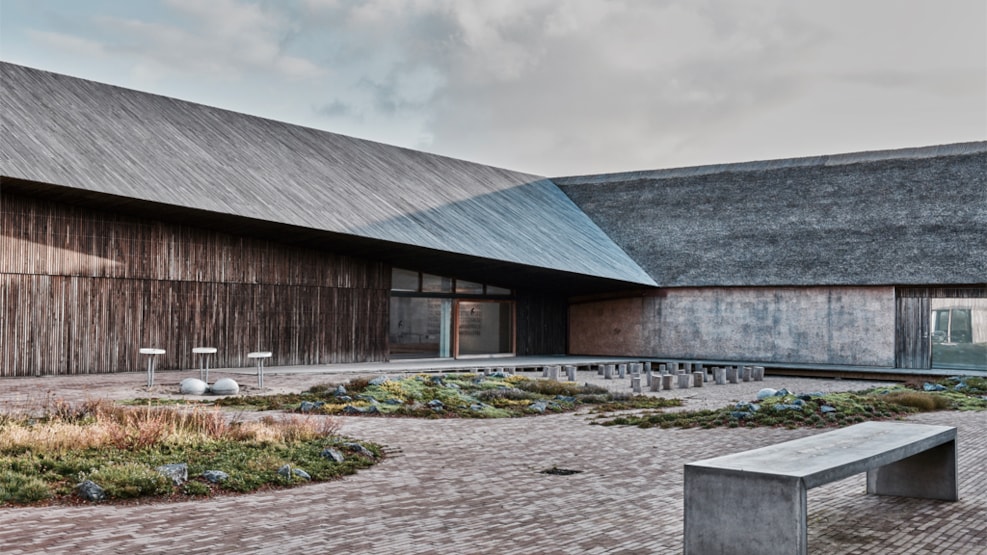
542,324
81,291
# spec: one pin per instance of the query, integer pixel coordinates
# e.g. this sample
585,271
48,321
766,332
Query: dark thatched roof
156,151
911,216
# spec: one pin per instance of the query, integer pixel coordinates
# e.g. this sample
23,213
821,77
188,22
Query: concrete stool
552,373
152,353
636,383
719,375
608,372
204,353
697,378
732,374
684,380
260,356
570,372
758,373
666,382
621,371
748,371
655,383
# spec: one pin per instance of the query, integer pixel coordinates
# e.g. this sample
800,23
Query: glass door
484,328
420,327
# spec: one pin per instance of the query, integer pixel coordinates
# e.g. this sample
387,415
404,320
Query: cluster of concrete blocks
665,376
654,376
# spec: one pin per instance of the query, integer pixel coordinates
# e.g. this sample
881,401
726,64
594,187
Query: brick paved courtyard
474,486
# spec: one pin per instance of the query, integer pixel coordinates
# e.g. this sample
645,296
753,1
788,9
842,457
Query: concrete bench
755,501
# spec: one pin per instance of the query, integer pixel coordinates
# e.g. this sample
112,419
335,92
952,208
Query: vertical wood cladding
81,291
541,324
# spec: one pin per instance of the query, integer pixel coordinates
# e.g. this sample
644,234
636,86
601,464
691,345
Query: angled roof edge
107,139
912,153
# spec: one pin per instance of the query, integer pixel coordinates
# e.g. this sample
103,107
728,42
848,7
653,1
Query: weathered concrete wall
822,325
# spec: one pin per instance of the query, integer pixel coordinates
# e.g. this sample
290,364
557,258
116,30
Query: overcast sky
548,87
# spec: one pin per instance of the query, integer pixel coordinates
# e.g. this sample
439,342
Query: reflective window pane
485,328
404,280
469,287
959,333
436,284
420,328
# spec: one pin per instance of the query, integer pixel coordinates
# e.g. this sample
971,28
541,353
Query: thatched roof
145,149
912,216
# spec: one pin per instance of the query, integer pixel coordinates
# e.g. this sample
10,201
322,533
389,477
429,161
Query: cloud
67,42
226,38
578,86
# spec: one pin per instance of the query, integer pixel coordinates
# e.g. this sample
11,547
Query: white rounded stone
193,386
225,386
765,393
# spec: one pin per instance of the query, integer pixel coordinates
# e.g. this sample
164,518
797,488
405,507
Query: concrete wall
820,325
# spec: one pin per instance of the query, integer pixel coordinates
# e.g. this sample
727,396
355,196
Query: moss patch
821,411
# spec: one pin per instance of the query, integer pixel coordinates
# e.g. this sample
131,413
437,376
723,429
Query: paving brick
474,486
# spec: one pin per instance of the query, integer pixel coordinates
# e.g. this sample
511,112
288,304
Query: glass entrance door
420,327
485,328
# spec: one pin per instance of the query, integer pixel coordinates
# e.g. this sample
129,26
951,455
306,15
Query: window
958,332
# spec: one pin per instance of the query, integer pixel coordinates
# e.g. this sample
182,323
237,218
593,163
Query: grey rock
825,409
359,450
308,406
781,392
177,472
393,401
933,387
90,491
766,392
339,391
350,409
333,455
538,406
215,476
302,474
285,471
379,380
436,405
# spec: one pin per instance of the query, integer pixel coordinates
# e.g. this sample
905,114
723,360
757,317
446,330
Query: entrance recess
439,317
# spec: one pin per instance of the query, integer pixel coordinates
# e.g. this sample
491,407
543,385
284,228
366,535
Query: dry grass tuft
924,402
98,424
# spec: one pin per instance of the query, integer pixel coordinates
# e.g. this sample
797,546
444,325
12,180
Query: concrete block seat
754,502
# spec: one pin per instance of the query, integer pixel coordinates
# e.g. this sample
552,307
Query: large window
435,316
958,329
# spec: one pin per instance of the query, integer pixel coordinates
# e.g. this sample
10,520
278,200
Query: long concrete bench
754,502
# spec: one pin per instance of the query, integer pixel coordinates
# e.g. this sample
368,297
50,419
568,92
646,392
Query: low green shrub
19,488
129,479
